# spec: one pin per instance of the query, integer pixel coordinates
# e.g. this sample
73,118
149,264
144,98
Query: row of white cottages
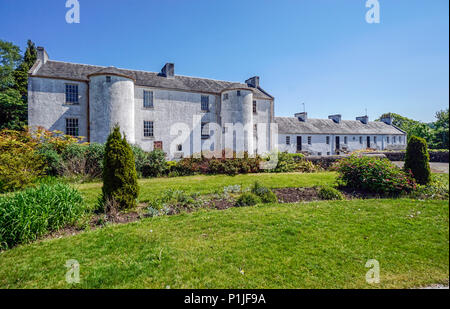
336,136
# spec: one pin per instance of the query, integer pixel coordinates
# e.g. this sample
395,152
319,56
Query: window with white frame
361,140
148,128
374,139
387,139
205,103
108,79
345,140
328,140
309,140
288,140
179,147
72,126
72,94
255,110
238,93
395,139
205,129
148,99
225,96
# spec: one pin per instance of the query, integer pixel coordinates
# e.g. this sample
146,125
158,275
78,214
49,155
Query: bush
27,215
140,159
265,194
94,160
54,163
373,175
436,189
119,173
74,156
155,164
20,165
247,199
417,160
329,193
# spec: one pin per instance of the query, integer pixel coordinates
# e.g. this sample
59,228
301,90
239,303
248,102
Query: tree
14,84
9,61
120,187
417,160
441,130
21,73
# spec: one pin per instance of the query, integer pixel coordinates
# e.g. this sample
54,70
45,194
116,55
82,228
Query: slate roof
291,125
74,71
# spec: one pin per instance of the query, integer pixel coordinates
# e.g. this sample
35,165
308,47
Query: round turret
111,102
237,109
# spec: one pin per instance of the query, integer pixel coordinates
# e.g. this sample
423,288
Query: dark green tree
417,160
21,73
14,84
441,130
120,187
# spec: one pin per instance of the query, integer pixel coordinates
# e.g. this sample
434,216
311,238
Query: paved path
436,167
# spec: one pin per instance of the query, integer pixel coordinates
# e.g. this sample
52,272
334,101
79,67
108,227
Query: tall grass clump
27,215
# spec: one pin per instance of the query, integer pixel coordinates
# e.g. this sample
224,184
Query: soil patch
293,195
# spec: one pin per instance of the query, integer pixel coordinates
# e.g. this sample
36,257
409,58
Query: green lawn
309,245
211,184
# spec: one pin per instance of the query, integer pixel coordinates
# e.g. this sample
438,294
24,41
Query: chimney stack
336,118
302,116
253,81
42,54
168,70
387,119
363,119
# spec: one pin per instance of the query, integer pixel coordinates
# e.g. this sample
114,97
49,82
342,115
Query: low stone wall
327,161
435,155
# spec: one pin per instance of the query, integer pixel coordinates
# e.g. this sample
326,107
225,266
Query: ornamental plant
120,185
417,160
373,175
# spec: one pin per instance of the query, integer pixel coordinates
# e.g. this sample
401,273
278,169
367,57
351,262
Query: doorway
299,143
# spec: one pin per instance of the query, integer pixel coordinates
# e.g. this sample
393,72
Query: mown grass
310,245
204,184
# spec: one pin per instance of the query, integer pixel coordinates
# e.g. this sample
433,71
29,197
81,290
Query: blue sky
321,52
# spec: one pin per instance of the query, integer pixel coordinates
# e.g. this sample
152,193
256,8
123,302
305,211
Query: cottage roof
292,125
81,72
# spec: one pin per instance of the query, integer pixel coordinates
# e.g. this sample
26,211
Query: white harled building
184,115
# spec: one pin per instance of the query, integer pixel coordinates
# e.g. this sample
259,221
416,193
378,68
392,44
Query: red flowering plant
376,175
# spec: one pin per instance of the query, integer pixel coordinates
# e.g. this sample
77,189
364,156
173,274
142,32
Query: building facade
183,115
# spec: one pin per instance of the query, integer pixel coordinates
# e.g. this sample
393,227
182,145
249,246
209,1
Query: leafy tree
441,130
417,160
14,84
9,61
120,187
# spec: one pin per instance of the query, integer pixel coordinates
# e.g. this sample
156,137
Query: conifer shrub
119,173
417,160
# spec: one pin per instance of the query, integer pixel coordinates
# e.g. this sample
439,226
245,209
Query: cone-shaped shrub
119,172
417,160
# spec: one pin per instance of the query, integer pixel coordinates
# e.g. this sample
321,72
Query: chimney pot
387,120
